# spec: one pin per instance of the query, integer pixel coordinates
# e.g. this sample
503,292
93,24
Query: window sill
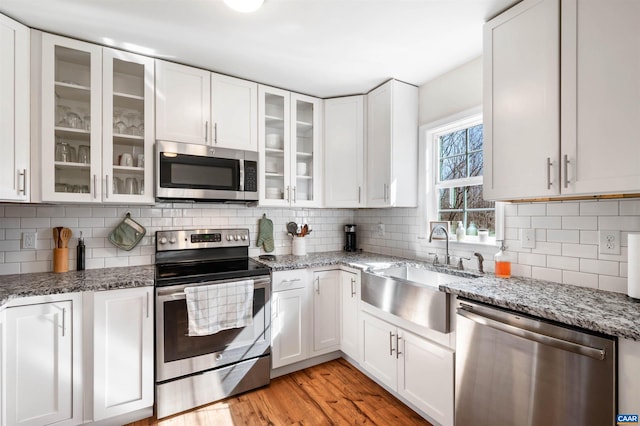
469,242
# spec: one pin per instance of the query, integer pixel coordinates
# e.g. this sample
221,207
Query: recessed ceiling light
244,6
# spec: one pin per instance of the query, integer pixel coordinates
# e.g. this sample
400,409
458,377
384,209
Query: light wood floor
334,393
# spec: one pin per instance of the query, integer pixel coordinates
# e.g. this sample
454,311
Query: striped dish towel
216,307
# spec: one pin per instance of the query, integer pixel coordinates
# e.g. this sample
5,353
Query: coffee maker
350,234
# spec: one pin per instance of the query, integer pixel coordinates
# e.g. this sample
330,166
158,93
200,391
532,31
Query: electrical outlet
609,242
381,230
29,240
528,238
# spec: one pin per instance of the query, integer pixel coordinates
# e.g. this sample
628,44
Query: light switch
528,238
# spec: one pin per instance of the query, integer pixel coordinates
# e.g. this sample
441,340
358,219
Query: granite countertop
601,311
44,283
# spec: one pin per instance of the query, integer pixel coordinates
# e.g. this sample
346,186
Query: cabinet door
600,96
344,152
379,349
379,146
521,102
38,357
234,112
183,104
128,130
71,120
349,296
306,155
425,376
326,311
290,327
122,352
274,131
14,104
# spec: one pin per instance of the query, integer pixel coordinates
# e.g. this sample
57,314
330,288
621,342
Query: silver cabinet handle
106,187
64,321
353,287
318,285
288,194
359,194
147,304
398,353
386,195
595,353
290,281
95,186
566,171
549,164
23,175
215,133
206,131
391,349
294,194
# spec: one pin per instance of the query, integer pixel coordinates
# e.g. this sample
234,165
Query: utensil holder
299,246
60,260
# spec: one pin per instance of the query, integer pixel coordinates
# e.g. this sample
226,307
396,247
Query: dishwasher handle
595,353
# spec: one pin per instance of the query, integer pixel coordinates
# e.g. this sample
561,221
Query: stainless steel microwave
205,173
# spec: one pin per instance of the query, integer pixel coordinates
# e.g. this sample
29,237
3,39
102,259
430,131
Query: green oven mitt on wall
265,235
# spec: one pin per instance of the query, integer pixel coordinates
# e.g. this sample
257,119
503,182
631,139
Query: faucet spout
446,242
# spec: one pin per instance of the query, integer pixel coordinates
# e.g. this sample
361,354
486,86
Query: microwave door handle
241,175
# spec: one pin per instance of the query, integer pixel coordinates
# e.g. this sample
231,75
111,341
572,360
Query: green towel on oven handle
265,234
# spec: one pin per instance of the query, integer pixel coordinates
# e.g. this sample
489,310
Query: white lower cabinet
416,368
326,311
38,364
122,351
290,317
349,296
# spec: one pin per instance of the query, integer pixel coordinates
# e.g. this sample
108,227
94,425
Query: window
458,159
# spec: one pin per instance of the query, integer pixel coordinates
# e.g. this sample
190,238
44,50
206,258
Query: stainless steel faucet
447,260
480,259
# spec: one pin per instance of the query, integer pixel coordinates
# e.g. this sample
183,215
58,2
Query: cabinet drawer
288,280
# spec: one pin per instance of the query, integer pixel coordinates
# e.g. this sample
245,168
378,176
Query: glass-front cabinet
289,139
95,104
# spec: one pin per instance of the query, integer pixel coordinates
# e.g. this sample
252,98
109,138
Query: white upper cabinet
234,112
197,106
521,101
97,124
183,103
290,141
600,92
392,145
344,152
559,120
14,104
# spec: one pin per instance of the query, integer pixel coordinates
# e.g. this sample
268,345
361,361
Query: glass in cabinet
97,128
71,113
304,145
276,187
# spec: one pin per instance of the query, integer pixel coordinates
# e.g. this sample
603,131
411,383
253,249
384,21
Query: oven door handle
175,295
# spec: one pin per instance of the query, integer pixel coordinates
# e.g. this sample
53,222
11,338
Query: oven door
179,354
195,172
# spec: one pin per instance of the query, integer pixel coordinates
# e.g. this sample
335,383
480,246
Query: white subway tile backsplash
580,279
517,222
580,222
621,223
39,222
630,207
623,269
534,209
546,222
563,236
563,208
32,267
546,274
599,208
532,259
589,237
9,268
552,249
564,263
609,283
602,267
580,250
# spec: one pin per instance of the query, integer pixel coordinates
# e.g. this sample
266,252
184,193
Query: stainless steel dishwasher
514,369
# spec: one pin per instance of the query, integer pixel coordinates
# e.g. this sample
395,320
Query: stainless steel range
196,370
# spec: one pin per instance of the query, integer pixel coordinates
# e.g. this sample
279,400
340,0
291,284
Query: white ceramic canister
299,246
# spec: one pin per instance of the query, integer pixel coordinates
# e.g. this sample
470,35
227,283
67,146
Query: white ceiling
322,48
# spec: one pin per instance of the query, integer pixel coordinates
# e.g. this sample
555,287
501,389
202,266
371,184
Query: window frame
429,178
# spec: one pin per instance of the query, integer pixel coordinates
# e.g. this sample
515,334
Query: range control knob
244,237
163,240
172,240
229,237
237,237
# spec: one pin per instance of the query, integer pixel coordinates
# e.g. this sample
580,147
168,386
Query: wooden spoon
56,235
65,236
